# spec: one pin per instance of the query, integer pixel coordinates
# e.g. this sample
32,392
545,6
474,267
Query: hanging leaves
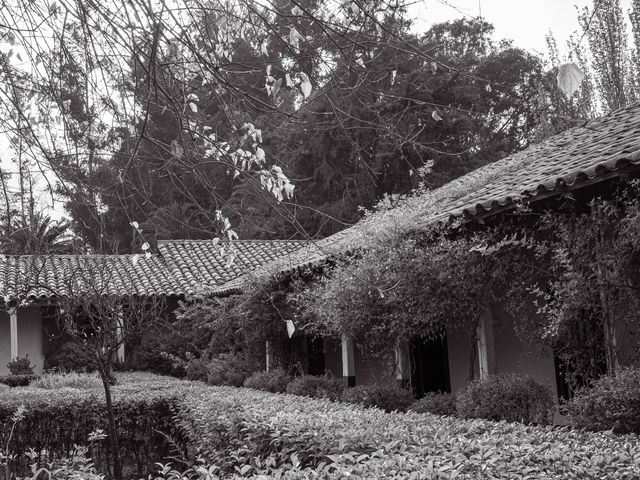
569,78
291,328
305,84
436,116
176,150
276,87
294,39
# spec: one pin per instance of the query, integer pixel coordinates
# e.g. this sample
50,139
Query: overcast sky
524,21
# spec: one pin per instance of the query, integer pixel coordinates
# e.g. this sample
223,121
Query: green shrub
611,403
73,356
53,381
59,418
18,380
167,349
388,396
290,437
197,370
274,381
437,403
317,386
229,369
509,397
20,366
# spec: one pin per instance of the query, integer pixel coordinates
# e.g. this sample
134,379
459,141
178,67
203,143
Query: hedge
277,435
57,419
253,433
610,403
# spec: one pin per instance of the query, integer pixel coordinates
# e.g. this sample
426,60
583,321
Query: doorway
430,366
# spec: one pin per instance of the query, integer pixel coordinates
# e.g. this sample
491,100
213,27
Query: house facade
582,161
31,286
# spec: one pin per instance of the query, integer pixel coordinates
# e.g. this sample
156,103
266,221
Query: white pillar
403,362
121,335
268,355
13,331
348,361
486,347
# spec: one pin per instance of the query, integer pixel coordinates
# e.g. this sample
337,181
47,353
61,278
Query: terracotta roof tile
184,267
40,277
203,266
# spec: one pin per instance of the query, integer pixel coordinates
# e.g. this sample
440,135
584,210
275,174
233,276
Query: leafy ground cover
240,432
267,435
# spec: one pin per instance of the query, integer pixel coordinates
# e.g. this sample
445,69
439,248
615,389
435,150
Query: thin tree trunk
105,370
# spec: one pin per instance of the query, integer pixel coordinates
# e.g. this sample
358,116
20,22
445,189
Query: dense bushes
73,356
437,403
18,380
507,397
611,403
167,349
274,381
387,396
229,369
57,419
323,386
293,437
20,366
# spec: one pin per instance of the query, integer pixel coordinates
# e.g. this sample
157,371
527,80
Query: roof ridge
73,255
244,240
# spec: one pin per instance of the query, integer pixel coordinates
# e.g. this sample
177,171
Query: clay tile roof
202,265
600,149
184,267
47,276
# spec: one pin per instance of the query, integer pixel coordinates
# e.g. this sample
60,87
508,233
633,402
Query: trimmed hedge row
57,419
252,433
18,380
259,433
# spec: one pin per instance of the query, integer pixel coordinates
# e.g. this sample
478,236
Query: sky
526,22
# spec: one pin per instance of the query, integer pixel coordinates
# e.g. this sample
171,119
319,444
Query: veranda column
348,361
13,331
486,346
121,335
269,355
403,362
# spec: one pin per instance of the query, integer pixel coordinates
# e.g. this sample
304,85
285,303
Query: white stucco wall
459,354
368,369
372,369
29,338
5,343
512,356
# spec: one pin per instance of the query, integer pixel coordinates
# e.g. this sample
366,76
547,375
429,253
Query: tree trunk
473,352
105,370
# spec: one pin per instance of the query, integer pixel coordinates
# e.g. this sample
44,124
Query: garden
195,400
175,428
